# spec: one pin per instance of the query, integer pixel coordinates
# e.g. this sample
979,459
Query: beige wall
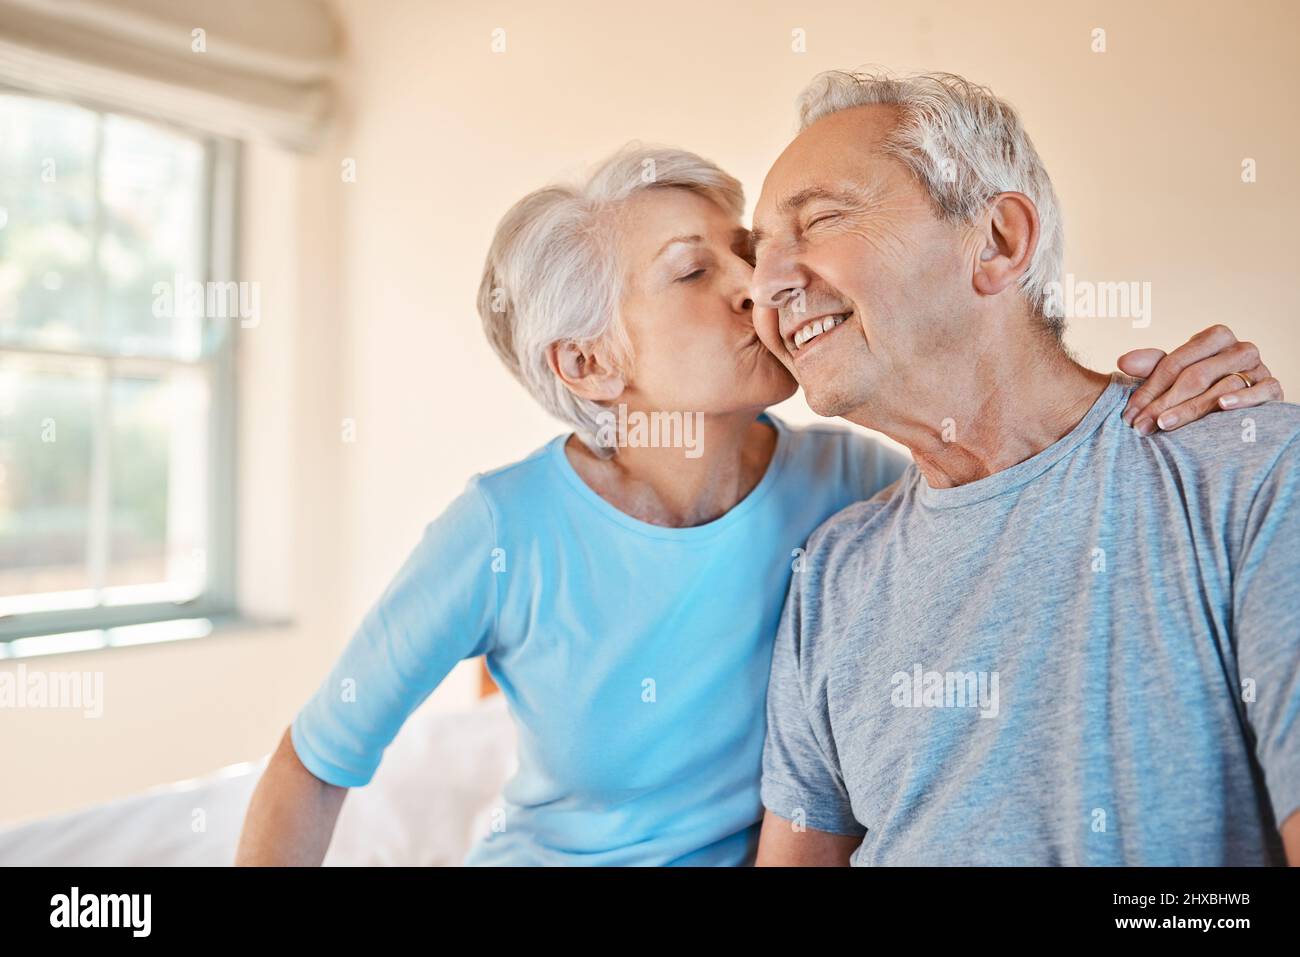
1144,142
375,280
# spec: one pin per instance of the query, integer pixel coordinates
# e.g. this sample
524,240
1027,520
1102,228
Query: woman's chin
789,386
758,381
783,384
776,390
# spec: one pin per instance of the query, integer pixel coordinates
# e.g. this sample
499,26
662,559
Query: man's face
847,241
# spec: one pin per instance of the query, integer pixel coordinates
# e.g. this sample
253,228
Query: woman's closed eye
691,276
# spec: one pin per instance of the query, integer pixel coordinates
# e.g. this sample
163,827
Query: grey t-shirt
1092,657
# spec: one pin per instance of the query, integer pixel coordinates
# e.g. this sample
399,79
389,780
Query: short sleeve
439,609
1266,628
800,781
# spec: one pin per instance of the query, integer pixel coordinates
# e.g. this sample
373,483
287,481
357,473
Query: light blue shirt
634,658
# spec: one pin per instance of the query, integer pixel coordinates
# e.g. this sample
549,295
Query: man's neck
975,418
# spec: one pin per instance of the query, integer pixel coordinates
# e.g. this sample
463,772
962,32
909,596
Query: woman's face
687,311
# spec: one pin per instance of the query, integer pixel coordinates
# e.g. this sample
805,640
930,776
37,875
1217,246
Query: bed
427,803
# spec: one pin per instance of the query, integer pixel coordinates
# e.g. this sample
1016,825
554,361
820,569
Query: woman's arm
291,817
439,609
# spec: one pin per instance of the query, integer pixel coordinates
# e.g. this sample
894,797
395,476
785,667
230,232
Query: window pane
46,445
151,245
47,210
147,238
104,458
159,482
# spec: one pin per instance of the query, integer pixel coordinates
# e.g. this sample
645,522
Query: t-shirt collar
1020,474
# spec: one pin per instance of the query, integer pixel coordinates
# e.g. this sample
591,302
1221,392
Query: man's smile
813,331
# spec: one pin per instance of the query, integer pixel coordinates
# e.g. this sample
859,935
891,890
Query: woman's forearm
291,816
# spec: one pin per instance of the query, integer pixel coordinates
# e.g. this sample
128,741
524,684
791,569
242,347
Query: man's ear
585,370
1010,236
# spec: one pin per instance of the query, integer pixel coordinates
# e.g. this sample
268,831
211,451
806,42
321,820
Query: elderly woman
625,592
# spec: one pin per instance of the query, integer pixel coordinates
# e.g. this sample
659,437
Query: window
115,385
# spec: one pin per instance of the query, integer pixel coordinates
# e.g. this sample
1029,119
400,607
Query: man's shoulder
842,464
1239,444
842,560
851,528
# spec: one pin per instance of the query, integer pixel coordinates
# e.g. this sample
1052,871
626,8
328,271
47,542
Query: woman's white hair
965,145
553,274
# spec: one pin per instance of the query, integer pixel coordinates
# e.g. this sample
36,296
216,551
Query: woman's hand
1194,380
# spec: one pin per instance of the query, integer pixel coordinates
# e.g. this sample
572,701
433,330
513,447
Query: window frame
222,160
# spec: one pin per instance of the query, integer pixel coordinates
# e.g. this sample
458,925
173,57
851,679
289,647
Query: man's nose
777,279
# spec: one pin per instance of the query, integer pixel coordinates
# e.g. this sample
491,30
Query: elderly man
1058,638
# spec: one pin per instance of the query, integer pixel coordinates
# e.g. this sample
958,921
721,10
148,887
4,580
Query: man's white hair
553,274
965,145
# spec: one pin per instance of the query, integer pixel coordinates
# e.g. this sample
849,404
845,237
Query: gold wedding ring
1243,377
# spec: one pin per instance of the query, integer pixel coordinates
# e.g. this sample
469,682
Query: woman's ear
1009,239
585,370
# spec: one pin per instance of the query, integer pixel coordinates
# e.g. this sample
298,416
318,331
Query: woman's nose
741,301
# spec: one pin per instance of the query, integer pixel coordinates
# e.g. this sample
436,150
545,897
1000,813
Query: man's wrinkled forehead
840,157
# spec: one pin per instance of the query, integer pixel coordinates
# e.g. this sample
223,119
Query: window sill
132,636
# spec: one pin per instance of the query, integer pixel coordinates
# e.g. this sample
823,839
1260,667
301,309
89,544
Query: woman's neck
664,486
